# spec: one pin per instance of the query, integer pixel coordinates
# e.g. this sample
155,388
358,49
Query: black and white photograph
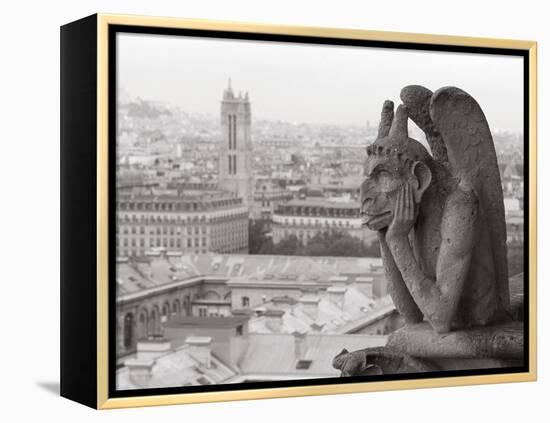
298,211
275,212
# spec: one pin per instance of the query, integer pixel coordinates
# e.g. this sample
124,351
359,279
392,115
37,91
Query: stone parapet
420,340
418,349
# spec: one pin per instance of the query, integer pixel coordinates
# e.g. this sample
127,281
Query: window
176,308
230,162
202,312
239,330
229,130
245,301
234,133
128,330
234,165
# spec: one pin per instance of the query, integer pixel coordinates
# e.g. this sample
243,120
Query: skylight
303,364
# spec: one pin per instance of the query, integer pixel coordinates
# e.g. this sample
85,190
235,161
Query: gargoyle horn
399,127
386,119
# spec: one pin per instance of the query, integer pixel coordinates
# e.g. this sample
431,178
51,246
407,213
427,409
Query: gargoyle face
393,160
384,175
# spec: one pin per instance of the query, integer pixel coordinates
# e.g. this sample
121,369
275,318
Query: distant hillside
146,109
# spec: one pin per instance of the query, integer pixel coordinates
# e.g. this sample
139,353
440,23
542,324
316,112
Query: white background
29,171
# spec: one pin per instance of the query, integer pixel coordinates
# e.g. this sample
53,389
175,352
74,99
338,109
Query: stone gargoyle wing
459,137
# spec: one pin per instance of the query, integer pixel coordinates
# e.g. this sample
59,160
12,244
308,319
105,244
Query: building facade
167,286
306,217
194,222
235,163
268,195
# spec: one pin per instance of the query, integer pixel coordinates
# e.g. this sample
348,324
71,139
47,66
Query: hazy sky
309,83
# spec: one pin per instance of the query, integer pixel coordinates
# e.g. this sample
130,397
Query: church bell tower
235,165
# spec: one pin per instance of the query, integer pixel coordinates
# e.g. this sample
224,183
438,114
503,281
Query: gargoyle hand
403,219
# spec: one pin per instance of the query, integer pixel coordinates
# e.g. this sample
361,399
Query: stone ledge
503,342
377,361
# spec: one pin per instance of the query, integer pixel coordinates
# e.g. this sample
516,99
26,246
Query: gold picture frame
96,33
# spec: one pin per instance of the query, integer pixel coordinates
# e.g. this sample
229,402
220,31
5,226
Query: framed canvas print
257,211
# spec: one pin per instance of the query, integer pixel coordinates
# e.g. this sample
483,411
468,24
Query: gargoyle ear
422,179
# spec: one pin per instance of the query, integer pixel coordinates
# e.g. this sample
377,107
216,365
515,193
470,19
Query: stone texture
499,342
440,216
379,360
418,349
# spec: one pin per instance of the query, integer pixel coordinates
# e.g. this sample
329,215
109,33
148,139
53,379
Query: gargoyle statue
439,216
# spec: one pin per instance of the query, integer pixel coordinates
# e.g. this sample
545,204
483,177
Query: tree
267,247
339,243
288,246
336,243
257,236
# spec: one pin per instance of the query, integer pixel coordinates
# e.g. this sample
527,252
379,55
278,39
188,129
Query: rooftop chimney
274,320
336,295
140,370
200,349
150,349
311,306
364,283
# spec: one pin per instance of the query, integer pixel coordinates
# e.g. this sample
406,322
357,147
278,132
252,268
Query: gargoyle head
393,159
